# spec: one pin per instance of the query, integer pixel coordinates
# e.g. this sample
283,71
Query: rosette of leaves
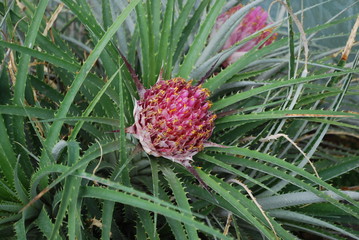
65,89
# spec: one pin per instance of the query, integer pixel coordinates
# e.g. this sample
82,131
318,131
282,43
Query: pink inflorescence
173,120
253,22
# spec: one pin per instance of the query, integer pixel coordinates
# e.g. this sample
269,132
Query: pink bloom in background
254,21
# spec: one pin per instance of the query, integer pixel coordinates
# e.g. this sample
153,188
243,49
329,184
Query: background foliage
64,89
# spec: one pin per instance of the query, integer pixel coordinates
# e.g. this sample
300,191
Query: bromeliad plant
285,161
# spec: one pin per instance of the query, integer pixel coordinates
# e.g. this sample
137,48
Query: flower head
172,120
253,22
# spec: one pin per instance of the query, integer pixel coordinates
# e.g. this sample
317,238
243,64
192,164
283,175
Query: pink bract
172,120
254,21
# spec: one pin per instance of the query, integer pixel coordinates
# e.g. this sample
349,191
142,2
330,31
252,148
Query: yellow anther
200,147
206,91
153,100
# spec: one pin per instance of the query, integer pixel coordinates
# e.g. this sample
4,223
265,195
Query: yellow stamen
206,91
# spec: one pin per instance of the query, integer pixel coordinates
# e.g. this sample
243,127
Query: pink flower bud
254,21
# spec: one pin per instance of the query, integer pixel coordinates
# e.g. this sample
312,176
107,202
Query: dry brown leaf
53,18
